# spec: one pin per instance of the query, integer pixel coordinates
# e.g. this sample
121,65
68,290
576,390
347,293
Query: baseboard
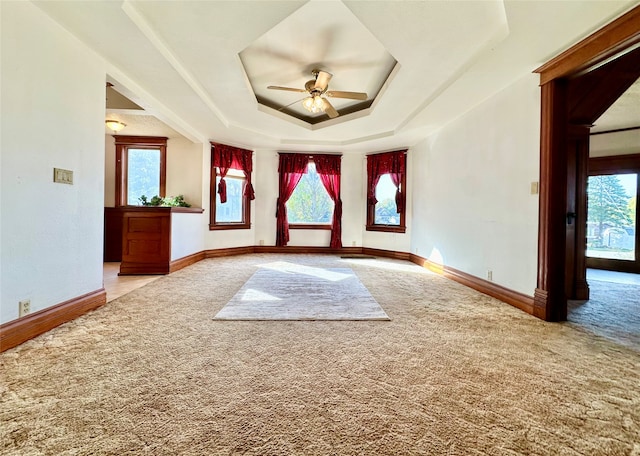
183,262
387,253
15,332
514,298
215,253
310,250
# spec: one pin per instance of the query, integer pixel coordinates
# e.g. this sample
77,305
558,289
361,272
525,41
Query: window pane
386,210
232,210
310,202
611,220
143,174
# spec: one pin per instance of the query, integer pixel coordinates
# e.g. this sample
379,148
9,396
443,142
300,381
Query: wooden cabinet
142,235
146,241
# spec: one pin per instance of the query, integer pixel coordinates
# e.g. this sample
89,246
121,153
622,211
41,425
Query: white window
386,211
233,210
143,174
310,203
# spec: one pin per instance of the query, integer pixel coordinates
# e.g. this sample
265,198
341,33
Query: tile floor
613,276
117,286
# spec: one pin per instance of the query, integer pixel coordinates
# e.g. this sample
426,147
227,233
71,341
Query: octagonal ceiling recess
181,61
434,43
324,36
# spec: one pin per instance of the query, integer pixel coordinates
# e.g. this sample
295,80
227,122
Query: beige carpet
454,373
287,291
613,312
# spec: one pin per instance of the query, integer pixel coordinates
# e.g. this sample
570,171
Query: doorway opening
577,87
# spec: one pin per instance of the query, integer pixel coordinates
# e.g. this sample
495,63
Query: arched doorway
577,87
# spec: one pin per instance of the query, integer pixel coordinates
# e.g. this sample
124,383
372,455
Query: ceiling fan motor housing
309,86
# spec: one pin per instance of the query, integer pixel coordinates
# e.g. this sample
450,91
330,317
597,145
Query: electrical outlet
24,307
261,241
489,274
353,243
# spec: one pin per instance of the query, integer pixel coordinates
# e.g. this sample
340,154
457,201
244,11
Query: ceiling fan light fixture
313,104
308,103
115,125
317,87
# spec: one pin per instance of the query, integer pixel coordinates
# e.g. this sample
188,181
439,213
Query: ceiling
624,113
202,67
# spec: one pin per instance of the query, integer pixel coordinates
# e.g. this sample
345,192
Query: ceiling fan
317,89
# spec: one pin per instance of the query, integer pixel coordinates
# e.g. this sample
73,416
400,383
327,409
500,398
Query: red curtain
291,167
328,168
392,163
225,157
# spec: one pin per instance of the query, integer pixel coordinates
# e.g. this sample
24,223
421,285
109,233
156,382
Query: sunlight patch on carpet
287,291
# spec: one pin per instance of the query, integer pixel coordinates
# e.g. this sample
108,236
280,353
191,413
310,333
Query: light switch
534,188
63,176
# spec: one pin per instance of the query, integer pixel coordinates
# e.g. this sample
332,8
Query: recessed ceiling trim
320,142
385,85
148,31
384,134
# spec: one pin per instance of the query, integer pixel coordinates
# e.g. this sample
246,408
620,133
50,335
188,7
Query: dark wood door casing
570,97
578,144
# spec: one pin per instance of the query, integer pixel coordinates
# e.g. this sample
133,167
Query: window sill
309,226
138,208
387,228
230,226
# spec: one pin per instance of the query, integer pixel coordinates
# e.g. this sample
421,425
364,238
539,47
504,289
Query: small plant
173,201
155,201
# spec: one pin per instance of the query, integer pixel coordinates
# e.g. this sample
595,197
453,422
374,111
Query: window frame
314,225
371,208
123,144
617,164
246,203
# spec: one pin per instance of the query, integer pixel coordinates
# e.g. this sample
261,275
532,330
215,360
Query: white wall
186,234
472,207
353,194
184,170
618,143
53,106
266,187
109,171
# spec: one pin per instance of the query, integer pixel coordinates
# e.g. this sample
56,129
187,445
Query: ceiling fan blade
322,81
289,89
290,104
329,109
350,95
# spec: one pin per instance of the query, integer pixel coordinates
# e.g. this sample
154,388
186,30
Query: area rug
286,291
